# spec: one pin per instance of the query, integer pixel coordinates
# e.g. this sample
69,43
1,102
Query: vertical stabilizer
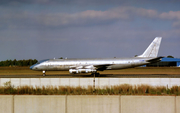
152,50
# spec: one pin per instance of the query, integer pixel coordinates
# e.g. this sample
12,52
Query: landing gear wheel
44,73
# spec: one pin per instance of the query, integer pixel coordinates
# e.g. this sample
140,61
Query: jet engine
81,70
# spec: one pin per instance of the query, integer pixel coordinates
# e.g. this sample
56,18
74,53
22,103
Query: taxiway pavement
90,76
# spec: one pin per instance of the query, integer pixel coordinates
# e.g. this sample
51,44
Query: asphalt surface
90,76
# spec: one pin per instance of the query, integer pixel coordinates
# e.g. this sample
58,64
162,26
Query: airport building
166,62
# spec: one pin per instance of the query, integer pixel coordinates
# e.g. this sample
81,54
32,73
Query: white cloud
82,18
172,15
176,24
175,15
95,17
90,17
146,13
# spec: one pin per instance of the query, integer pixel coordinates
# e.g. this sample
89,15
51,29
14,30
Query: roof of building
165,59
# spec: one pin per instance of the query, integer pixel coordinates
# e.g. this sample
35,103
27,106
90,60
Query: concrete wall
88,104
177,104
6,104
39,104
93,104
148,104
85,82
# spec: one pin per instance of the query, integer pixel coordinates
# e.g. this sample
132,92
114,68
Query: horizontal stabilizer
155,59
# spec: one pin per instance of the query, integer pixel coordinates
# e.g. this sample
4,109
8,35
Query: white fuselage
111,63
94,65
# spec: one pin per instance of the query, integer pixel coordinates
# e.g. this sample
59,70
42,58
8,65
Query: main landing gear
44,73
95,74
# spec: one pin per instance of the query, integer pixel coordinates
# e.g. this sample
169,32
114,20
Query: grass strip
124,89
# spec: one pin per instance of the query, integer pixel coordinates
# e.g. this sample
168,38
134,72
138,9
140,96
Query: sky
43,29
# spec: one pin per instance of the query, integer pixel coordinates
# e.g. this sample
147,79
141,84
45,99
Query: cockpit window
42,61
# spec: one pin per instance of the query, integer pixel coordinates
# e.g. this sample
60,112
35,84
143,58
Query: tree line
18,62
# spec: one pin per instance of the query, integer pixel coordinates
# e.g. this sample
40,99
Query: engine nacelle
82,70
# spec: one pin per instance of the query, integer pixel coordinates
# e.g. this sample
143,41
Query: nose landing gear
44,73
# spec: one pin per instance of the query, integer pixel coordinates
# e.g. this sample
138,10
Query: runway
90,76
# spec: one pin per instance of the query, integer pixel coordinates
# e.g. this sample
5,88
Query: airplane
92,66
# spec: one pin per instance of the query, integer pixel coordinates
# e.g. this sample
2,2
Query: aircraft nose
32,67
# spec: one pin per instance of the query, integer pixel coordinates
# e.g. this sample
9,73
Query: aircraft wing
99,67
